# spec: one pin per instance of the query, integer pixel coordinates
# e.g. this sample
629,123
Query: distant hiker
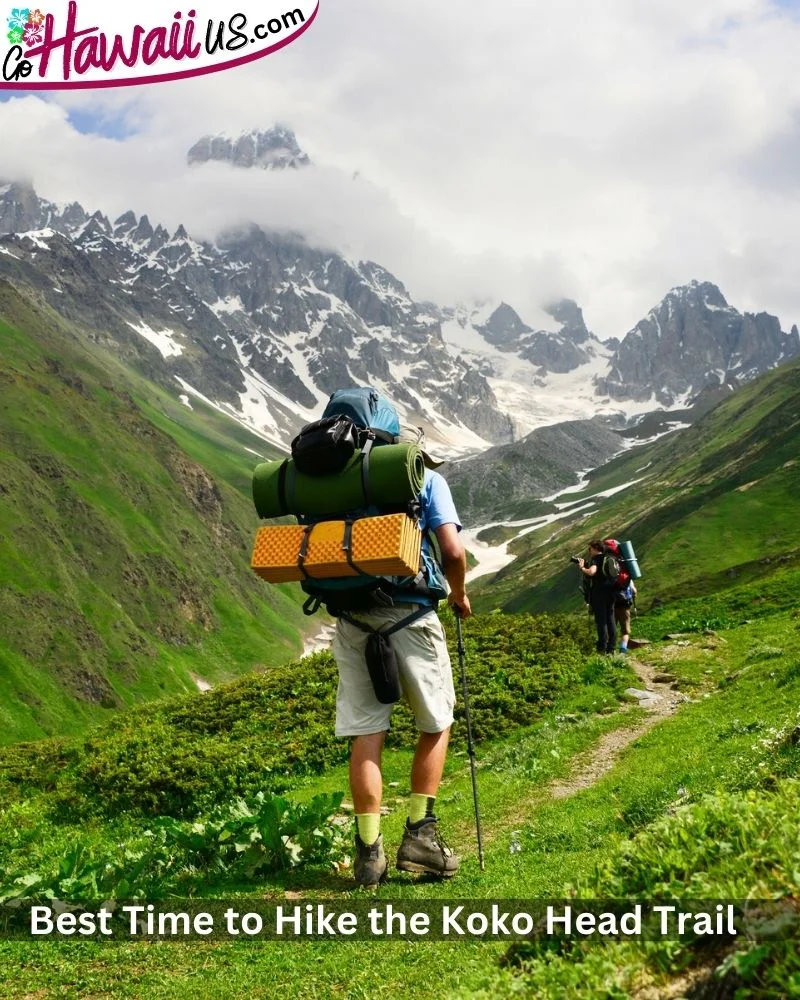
601,595
623,602
427,682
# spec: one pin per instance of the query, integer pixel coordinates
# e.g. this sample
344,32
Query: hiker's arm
454,564
587,570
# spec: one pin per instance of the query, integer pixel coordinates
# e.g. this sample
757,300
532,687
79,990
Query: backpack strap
302,554
403,623
282,503
365,470
347,546
311,605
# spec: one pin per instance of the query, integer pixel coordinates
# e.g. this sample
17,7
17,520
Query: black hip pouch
383,668
383,665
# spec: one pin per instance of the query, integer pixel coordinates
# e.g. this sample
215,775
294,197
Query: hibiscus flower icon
36,17
15,36
19,18
33,34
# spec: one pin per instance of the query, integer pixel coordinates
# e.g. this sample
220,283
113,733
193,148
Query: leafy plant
269,834
266,835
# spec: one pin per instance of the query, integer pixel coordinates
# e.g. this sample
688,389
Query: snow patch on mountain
492,558
164,340
38,237
230,411
231,304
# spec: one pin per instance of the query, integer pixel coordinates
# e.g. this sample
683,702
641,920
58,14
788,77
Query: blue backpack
626,597
361,418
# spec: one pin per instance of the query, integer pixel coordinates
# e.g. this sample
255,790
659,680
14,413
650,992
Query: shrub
266,731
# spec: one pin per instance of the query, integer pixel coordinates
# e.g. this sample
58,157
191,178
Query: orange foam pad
386,545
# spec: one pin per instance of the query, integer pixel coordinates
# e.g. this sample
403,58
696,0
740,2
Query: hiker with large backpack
388,641
602,573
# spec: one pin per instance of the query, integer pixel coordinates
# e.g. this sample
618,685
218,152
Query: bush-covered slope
264,732
123,561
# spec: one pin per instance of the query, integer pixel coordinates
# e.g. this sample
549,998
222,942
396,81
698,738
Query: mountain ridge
264,326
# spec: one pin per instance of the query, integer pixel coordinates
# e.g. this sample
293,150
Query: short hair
596,543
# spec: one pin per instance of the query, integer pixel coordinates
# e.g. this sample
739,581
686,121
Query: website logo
95,44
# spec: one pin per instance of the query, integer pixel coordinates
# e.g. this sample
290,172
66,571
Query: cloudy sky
600,149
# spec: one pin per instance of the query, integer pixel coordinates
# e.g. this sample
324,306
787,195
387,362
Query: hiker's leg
611,628
366,781
428,764
360,716
366,786
625,627
427,680
599,612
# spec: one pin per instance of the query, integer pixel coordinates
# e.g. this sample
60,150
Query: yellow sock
368,826
420,806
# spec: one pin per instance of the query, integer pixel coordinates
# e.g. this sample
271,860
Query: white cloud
605,152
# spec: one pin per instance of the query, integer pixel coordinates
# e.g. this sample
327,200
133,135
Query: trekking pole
470,745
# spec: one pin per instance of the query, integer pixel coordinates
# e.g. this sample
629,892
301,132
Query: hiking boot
423,850
369,867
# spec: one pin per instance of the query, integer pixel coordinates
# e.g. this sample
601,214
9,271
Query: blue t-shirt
437,503
436,508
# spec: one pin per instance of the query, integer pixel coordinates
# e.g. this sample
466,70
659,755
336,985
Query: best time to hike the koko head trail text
440,920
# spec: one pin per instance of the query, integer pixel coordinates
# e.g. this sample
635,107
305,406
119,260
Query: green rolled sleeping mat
395,474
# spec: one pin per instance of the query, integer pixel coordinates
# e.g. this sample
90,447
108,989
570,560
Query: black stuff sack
325,447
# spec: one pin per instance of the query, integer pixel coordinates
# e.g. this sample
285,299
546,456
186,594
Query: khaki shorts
426,677
623,617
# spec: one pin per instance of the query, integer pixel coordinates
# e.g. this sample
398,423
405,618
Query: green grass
267,730
724,761
225,448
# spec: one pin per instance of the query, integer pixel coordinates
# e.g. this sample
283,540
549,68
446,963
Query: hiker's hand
581,562
460,605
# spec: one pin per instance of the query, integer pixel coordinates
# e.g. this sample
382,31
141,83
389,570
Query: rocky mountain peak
20,208
125,223
690,340
698,293
568,313
100,223
504,327
271,149
276,324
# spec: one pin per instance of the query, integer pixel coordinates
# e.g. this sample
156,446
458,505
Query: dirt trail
660,701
